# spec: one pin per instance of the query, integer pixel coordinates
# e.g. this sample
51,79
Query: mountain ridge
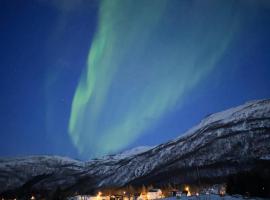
223,144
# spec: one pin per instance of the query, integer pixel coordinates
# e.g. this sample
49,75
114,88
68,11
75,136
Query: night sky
83,78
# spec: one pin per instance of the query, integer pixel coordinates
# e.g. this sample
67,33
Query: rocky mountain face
222,145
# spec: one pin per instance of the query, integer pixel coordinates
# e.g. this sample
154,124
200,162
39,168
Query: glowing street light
188,191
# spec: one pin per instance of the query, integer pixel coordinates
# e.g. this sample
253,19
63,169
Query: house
81,197
116,197
154,194
88,197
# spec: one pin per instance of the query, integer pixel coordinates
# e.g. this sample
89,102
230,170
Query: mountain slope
223,144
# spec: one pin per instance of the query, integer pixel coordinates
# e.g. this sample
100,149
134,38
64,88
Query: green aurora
144,58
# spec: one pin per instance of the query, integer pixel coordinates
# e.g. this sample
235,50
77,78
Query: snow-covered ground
213,197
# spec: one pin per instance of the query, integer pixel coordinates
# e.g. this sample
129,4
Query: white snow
250,108
266,157
129,153
212,197
134,151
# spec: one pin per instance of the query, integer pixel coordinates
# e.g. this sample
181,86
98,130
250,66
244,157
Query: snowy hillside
223,144
251,109
128,153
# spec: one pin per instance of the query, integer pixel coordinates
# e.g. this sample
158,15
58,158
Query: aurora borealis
84,78
144,58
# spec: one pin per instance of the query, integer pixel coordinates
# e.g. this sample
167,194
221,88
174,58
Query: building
154,194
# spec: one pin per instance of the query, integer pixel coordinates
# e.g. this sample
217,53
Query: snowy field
213,197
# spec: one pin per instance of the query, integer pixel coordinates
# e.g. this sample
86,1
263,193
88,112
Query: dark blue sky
44,47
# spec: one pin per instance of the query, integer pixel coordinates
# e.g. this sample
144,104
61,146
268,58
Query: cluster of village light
150,194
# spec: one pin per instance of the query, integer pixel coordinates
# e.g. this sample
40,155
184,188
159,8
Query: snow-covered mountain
128,153
223,144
